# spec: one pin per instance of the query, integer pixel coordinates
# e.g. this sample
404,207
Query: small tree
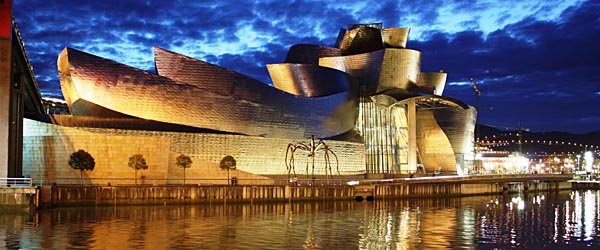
228,162
82,160
137,162
183,161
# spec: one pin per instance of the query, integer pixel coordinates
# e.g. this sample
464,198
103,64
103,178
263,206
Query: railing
16,182
193,181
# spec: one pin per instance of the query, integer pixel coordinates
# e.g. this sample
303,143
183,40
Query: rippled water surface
564,220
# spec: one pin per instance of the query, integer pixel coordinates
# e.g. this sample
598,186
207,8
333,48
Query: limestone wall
46,157
47,148
21,198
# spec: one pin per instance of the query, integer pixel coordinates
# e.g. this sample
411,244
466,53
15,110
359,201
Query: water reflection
531,221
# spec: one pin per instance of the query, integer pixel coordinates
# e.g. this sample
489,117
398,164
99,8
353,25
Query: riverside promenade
50,196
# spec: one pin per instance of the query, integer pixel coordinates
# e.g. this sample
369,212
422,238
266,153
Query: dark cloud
535,72
540,72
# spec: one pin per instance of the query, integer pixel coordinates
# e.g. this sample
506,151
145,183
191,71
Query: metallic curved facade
362,39
443,132
432,82
309,53
459,126
395,37
364,67
309,80
380,70
247,107
400,68
368,90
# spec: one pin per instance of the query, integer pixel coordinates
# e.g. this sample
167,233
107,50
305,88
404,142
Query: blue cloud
536,61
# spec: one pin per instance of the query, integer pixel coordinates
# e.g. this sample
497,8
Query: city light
589,161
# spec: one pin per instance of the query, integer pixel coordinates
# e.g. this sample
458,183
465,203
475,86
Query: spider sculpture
311,150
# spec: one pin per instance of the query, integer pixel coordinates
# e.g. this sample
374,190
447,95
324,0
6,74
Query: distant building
55,106
366,97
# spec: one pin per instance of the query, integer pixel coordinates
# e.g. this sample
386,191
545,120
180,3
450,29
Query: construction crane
475,85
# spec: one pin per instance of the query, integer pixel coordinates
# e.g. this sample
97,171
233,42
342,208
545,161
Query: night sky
537,62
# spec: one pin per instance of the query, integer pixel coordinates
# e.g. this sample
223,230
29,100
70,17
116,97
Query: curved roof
432,82
309,53
185,69
365,67
395,37
400,69
380,70
361,39
197,94
309,80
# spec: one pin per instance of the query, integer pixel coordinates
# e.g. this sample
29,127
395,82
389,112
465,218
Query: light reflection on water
529,221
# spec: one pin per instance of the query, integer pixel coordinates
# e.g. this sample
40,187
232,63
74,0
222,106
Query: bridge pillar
19,93
8,121
504,187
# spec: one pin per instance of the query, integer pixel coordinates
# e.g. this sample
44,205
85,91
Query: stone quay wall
57,196
21,198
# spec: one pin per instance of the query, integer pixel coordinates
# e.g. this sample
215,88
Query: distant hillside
540,143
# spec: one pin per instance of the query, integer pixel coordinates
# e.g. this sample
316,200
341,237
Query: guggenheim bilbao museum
366,98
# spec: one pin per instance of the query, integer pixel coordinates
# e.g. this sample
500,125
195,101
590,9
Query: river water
552,220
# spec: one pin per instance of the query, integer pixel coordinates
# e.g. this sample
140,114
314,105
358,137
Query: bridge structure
19,93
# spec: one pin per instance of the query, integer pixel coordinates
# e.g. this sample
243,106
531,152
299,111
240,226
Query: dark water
563,220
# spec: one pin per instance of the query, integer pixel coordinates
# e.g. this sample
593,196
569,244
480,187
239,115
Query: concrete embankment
56,196
20,198
463,189
448,186
586,184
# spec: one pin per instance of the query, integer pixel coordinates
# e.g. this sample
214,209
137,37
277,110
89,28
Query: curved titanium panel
342,33
459,125
364,67
395,37
380,70
309,53
214,76
432,82
435,149
446,124
81,107
309,80
445,129
237,104
362,39
400,69
340,38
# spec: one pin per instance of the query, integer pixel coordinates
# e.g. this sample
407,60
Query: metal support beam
412,136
